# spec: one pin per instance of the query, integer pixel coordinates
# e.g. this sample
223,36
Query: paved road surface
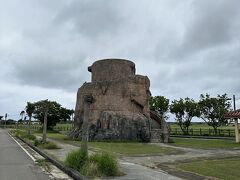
15,164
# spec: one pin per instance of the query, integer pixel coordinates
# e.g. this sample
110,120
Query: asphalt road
15,164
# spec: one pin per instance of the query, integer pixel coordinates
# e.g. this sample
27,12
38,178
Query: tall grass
76,159
107,163
96,165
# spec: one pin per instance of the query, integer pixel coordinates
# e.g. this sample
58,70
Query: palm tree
30,108
22,114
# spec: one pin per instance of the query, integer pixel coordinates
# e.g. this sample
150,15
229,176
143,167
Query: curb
72,173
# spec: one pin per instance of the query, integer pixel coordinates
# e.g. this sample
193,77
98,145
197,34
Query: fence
205,132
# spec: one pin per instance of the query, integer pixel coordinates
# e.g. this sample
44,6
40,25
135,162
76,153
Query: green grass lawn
222,169
131,148
204,130
204,143
127,148
56,136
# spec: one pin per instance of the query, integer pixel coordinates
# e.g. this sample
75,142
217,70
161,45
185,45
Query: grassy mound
76,159
47,145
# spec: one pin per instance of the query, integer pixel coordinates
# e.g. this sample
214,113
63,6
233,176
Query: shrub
36,142
171,140
23,135
48,145
19,133
76,159
103,164
28,136
91,169
107,163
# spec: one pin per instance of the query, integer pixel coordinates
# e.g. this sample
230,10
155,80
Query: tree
213,110
22,113
1,119
49,113
42,109
159,104
184,110
30,108
56,113
65,114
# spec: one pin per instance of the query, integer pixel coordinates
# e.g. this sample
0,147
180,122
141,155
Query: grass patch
127,148
40,131
47,145
107,163
28,136
204,143
133,148
202,126
222,169
32,138
76,159
97,165
23,134
54,135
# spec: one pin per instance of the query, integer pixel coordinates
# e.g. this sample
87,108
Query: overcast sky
185,47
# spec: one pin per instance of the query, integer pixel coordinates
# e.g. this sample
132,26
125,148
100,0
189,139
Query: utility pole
236,121
45,111
88,100
6,119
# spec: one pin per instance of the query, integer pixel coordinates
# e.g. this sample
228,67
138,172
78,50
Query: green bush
171,140
19,133
76,159
28,136
91,169
107,163
48,145
36,142
97,165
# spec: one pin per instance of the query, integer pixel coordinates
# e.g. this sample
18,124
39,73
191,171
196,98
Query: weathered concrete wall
120,109
111,69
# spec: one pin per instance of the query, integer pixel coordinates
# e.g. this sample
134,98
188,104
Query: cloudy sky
185,47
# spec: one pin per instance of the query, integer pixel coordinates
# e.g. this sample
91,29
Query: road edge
72,173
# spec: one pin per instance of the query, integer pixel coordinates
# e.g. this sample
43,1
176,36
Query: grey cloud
211,24
51,73
215,72
185,48
91,18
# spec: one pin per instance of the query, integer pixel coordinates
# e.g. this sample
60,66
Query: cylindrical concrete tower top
111,69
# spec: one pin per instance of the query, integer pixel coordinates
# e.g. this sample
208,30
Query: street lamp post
5,120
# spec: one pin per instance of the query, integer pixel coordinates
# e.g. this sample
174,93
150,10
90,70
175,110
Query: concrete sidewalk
133,171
